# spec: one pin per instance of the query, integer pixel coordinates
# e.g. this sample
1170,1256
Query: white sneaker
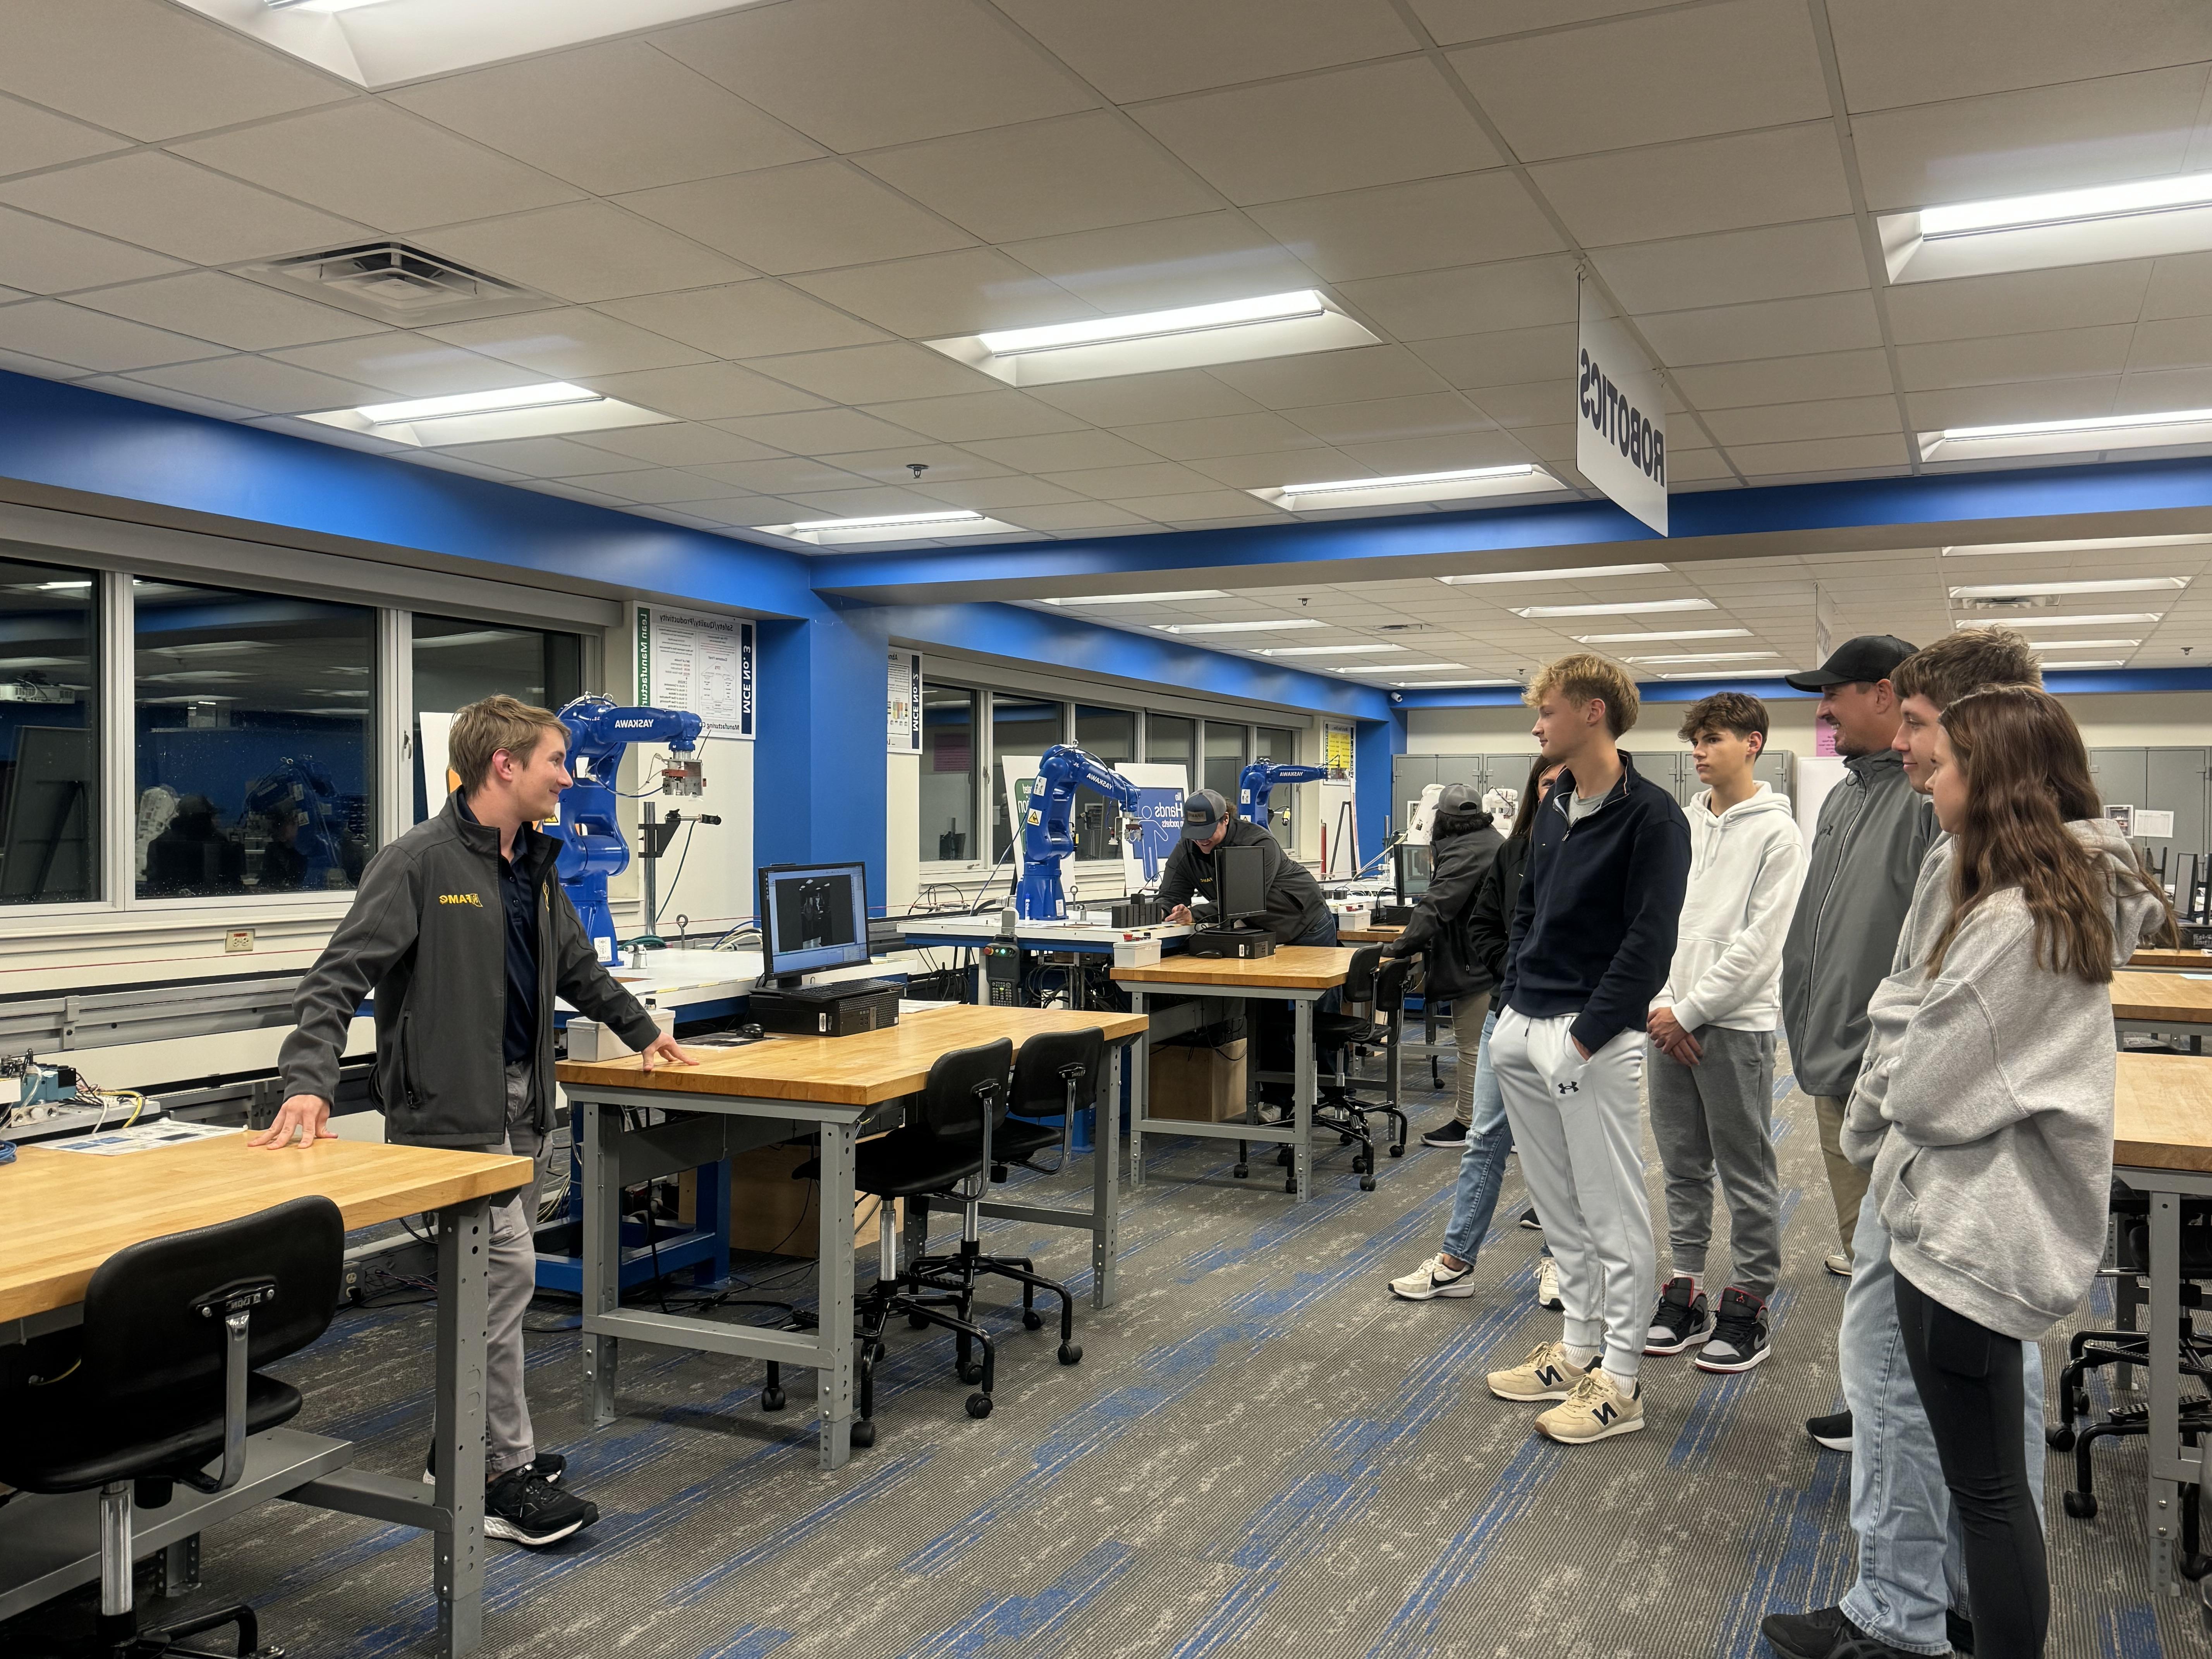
1838,1264
1432,1279
1547,1284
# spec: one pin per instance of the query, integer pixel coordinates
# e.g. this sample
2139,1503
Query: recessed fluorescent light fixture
2095,544
1246,627
320,5
2069,206
1141,598
2088,644
1578,573
889,527
1404,668
1657,638
2060,590
1324,650
1446,685
1616,608
2115,618
2137,218
2161,430
1463,483
1733,674
1187,336
471,417
1710,656
2096,662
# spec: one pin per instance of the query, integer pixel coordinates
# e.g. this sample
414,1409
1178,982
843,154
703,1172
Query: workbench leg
458,1435
833,1295
1105,1189
1140,1091
602,1288
2164,1528
1305,1087
712,1212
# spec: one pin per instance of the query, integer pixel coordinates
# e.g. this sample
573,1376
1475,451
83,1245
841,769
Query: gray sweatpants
1717,1114
512,1276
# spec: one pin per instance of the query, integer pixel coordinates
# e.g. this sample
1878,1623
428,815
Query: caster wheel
1071,1354
771,1400
2192,1567
1291,1186
1240,1172
1362,1166
2059,1437
979,1405
916,1323
1367,1183
1032,1320
971,1372
864,1435
1344,1140
2081,1505
1398,1150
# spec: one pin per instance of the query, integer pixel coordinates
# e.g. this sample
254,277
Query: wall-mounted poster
903,704
699,662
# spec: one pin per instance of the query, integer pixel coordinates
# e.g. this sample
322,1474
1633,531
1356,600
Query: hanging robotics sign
1620,441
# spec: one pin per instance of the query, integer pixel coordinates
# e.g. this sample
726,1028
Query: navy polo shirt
519,900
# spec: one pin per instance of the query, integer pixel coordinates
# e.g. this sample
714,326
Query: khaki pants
1466,1017
1847,1182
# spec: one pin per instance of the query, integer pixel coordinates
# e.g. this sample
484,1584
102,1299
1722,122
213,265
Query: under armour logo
1568,1088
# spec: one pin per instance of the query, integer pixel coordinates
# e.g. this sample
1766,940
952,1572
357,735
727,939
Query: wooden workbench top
62,1213
1293,968
2160,958
849,1071
2162,996
2162,1112
1380,933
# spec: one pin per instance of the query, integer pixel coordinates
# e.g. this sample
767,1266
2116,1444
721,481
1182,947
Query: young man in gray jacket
466,937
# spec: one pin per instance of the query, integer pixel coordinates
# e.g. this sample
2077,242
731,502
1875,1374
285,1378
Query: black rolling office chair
166,1385
1339,1106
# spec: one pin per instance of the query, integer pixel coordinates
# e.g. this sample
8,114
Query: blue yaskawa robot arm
292,798
1047,836
591,844
1258,781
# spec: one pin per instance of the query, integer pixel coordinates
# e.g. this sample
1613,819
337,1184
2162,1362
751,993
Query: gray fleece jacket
1984,1106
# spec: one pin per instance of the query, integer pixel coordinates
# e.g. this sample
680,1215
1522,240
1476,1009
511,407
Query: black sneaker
1739,1339
549,1466
1450,1132
531,1511
1682,1320
1529,1220
1826,1634
1832,1431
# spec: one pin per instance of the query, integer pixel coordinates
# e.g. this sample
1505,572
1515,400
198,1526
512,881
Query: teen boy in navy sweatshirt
1595,935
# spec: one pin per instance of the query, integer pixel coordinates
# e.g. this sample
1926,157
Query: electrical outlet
237,939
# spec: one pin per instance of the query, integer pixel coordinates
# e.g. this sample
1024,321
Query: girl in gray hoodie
1988,1088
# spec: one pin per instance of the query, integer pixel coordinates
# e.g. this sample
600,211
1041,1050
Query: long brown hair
2027,776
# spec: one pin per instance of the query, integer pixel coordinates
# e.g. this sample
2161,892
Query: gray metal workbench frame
2172,1465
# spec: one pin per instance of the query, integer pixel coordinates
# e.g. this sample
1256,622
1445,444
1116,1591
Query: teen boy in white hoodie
1712,1079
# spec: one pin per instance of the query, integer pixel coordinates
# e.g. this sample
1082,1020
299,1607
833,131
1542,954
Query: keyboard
838,990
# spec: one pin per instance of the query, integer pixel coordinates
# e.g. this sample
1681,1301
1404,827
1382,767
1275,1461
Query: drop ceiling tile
1786,379
1839,417
1221,435
1141,479
1553,444
979,414
1441,452
245,316
860,74
2176,343
1899,51
42,257
407,364
1428,225
163,202
871,373
2018,143
1520,294
988,494
2068,351
1074,515
818,432
685,443
260,383
1203,506
575,493
574,340
945,464
1701,185
794,474
658,484
744,320
122,385
1819,455
1266,472
149,70
1773,262
2180,286
617,116
1044,178
1820,322
1155,48
546,458
1132,400
372,162
1331,377
862,503
93,340
1382,420
1646,80
1506,358
585,250
1059,452
1453,21
1548,401
1378,124
2021,302
2163,389
703,391
946,293
807,216
1171,262
32,137
2021,400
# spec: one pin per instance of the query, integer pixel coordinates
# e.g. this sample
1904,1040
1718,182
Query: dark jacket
1595,924
427,931
1294,905
1439,929
1489,919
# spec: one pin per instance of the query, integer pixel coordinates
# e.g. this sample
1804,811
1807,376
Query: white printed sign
1621,441
903,704
2153,825
698,662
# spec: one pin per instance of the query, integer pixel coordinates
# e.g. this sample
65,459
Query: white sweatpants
1578,1125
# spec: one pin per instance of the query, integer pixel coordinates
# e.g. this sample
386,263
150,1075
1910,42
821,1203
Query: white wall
903,789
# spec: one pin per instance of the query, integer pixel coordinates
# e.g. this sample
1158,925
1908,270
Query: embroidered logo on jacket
460,898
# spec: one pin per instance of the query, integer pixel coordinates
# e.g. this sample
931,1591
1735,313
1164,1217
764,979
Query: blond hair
1582,677
482,729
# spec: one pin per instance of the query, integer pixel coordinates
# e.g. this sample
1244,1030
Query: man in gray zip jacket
466,937
1873,832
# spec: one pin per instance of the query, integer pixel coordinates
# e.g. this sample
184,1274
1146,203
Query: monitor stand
1235,940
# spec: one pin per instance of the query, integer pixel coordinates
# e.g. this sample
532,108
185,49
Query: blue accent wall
1370,796
818,767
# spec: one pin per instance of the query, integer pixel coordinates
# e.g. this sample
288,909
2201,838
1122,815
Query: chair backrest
963,1086
149,1346
1359,980
1390,984
1040,1071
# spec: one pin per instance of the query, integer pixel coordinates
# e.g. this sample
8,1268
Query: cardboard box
1203,1084
772,1213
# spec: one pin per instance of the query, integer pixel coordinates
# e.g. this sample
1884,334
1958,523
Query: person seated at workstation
1297,912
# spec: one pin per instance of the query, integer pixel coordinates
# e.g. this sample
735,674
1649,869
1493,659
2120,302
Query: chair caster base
1032,1320
2059,1437
2081,1505
1367,1183
864,1435
1240,1172
971,1372
772,1400
1071,1354
979,1405
1291,1185
1398,1150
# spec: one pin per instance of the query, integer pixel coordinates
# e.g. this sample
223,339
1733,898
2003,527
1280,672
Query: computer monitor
1415,865
812,916
1241,885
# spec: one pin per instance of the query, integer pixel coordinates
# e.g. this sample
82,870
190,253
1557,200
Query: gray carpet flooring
1262,1452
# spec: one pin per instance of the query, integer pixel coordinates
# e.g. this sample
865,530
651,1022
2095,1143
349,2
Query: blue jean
1482,1161
1911,1556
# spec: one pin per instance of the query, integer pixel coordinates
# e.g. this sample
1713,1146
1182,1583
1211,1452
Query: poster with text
903,704
700,663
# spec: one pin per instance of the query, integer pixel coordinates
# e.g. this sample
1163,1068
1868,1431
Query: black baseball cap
1202,810
1869,658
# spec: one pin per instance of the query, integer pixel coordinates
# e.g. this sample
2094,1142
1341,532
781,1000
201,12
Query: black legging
1969,1378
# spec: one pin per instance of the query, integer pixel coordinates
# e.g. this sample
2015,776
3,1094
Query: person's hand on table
667,1049
1180,916
305,1119
1674,1037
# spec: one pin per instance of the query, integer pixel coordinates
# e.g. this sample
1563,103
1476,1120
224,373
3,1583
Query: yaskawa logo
460,898
624,726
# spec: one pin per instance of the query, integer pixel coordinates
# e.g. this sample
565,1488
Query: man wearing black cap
1297,912
1873,832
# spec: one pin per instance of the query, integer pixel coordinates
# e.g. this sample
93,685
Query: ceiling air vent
1403,627
2011,602
393,283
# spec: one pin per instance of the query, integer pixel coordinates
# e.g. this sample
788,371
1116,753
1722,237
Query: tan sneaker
1546,1374
1597,1410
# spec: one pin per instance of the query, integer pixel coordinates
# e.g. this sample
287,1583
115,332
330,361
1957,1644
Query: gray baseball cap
1202,810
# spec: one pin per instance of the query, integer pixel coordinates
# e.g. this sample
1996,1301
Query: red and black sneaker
1739,1340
